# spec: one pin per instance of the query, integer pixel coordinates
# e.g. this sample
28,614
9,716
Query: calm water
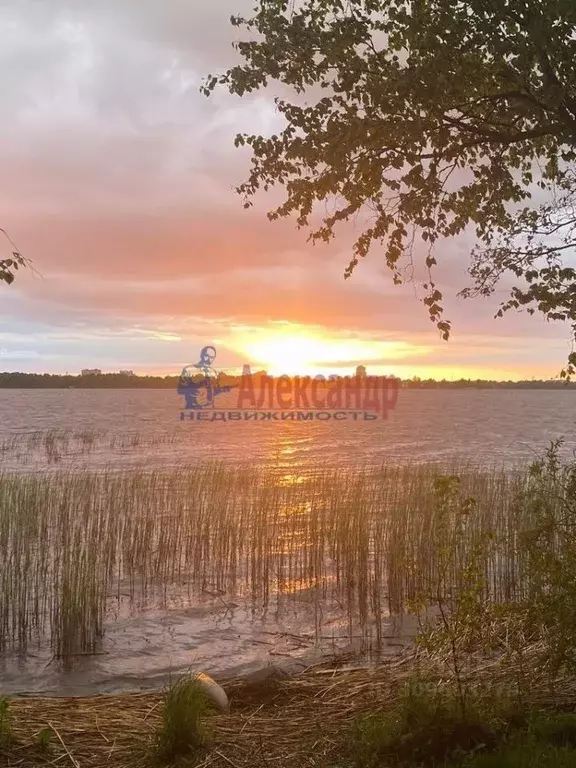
219,633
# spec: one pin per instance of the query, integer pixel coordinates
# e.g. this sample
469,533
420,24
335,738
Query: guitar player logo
200,383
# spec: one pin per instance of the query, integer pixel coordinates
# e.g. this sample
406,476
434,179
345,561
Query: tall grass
74,543
182,732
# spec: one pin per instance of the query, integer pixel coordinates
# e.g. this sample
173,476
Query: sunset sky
117,181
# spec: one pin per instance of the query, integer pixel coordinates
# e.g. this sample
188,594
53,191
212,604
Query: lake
124,427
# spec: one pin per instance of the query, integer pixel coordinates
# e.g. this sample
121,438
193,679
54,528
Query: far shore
18,380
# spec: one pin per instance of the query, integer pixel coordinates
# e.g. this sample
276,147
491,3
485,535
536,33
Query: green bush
533,630
427,726
547,740
546,520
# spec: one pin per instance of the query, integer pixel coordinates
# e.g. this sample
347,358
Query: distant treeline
487,384
100,381
125,381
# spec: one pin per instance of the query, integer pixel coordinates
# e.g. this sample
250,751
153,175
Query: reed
52,446
73,544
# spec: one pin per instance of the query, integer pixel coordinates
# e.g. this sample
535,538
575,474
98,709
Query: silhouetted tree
432,116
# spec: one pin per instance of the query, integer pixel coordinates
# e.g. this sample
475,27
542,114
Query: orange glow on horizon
292,349
288,348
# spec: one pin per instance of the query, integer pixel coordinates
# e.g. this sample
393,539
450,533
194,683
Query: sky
118,181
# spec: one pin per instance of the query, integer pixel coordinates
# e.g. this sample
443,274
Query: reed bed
51,446
76,544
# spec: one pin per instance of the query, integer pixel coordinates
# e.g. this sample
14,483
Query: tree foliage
434,117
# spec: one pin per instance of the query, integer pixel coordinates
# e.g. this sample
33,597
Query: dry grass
300,723
303,721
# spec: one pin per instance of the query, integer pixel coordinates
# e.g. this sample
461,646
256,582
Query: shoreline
272,717
303,720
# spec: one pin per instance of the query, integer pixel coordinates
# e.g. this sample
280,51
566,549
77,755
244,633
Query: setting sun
295,349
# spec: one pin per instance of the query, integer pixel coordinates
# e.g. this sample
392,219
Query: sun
287,353
296,350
